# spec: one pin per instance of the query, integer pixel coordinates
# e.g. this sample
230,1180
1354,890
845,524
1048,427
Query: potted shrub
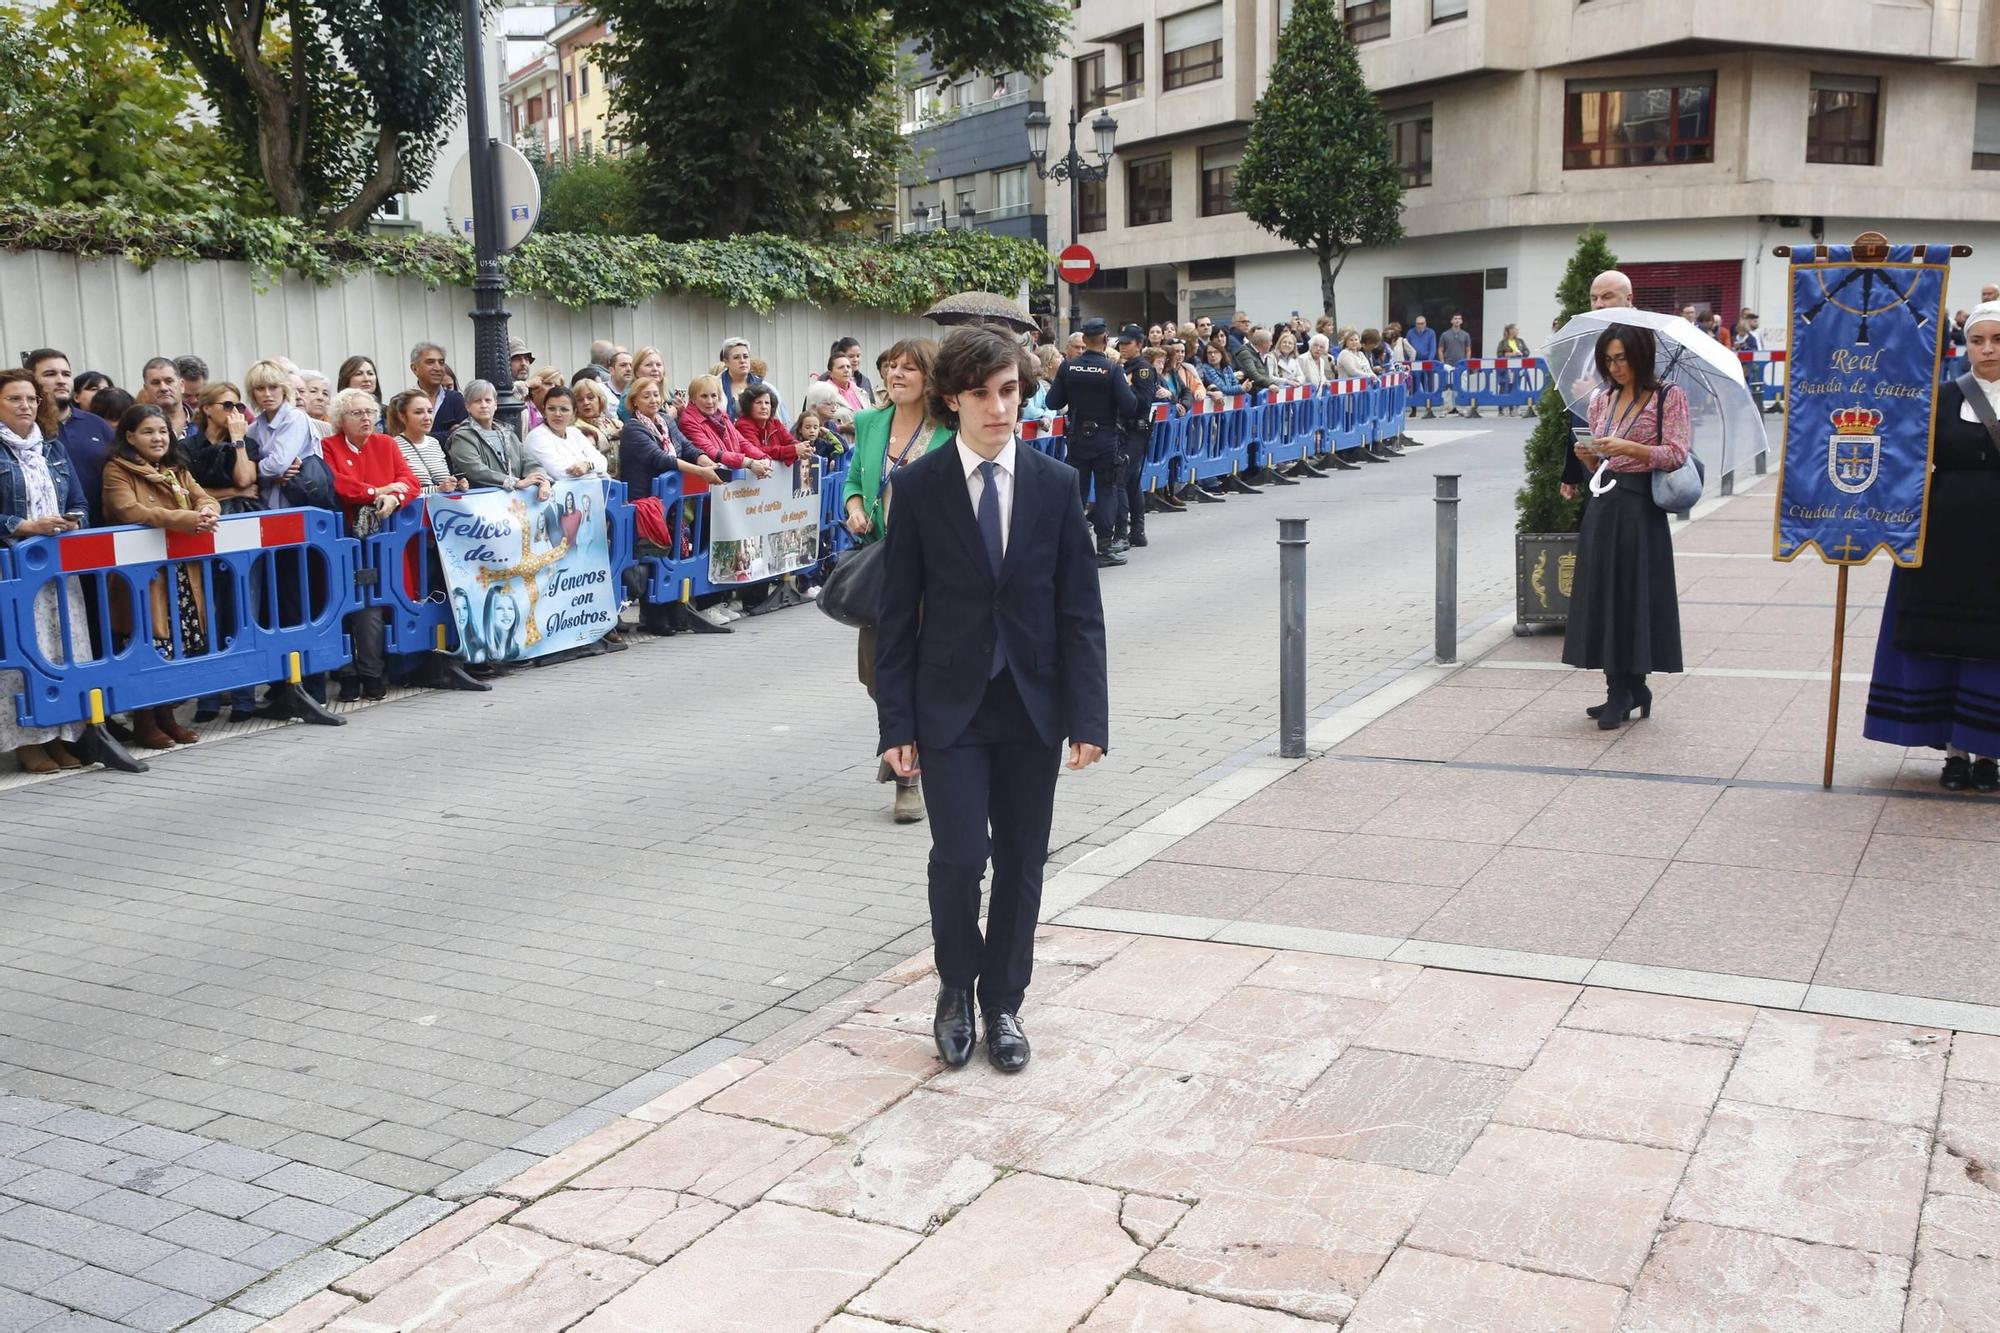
1546,524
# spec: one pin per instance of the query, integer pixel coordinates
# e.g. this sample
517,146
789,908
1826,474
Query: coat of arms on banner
1854,450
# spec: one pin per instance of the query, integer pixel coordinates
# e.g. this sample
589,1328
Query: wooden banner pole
1833,692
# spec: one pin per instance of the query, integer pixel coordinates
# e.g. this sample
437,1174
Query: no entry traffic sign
1076,265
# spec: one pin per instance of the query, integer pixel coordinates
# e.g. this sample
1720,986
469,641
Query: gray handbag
1678,491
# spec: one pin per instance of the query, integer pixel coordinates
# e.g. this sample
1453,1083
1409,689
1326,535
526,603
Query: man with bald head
1608,290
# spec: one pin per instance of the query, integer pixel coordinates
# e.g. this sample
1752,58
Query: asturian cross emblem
529,565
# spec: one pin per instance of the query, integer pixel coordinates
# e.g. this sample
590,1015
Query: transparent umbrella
1725,420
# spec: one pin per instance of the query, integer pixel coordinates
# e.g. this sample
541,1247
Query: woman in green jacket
885,439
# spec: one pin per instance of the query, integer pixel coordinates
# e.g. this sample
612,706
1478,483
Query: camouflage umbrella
985,308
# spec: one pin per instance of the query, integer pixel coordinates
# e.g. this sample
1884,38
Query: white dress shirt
1003,477
1991,388
557,453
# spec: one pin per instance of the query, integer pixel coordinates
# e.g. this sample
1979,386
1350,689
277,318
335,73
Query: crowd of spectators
182,449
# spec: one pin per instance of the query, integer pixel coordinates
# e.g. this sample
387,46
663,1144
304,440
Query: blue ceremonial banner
1866,343
527,577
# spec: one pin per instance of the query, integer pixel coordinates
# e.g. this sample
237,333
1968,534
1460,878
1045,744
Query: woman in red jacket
372,481
710,430
758,422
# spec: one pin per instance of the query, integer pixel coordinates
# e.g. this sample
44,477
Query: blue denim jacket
14,486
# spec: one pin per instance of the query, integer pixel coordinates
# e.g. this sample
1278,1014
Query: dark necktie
989,531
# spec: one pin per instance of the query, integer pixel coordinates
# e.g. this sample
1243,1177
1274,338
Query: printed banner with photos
526,577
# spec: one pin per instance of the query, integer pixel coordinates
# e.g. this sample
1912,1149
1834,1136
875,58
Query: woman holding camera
1624,617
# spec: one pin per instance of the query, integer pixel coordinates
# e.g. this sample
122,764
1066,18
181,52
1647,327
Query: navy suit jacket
943,607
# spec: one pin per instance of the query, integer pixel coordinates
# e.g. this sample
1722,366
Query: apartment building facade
969,148
1698,134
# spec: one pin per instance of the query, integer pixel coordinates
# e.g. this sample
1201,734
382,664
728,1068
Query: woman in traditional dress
1937,660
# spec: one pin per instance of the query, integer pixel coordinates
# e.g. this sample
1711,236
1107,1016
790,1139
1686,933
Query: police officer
1135,431
1093,388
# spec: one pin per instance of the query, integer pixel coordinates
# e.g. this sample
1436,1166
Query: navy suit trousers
990,794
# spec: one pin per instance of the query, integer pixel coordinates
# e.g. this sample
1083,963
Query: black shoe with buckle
1006,1043
1957,775
1985,775
953,1027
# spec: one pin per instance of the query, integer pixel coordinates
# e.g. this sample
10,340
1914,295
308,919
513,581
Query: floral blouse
1639,427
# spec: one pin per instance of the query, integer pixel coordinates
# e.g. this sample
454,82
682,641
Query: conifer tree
1317,169
1539,502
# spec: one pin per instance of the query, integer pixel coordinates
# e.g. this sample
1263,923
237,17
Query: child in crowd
811,434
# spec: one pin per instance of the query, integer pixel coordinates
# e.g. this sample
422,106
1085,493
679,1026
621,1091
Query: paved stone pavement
1486,823
1217,1138
419,954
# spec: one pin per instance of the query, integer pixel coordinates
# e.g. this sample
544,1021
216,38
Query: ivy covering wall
904,275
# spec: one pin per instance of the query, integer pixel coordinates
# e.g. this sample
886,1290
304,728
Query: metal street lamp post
489,314
1072,167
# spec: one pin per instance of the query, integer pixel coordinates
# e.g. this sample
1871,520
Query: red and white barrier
108,549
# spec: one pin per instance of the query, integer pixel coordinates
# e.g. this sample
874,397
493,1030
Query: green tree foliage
335,104
1317,169
779,115
593,195
758,272
1539,502
90,114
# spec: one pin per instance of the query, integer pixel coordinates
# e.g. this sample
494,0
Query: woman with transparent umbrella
1624,617
1656,394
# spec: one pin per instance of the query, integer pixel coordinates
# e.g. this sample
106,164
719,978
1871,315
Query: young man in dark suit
989,652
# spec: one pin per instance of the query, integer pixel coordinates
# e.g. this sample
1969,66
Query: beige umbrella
985,308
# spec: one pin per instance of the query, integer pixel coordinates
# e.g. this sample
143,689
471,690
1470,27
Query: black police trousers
1099,471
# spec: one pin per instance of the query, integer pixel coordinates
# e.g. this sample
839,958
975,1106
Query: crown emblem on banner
1855,420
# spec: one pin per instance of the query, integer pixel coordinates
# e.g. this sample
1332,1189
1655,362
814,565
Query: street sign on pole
1076,265
520,196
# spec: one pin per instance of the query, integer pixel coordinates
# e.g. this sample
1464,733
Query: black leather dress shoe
1957,775
1006,1044
953,1027
1985,775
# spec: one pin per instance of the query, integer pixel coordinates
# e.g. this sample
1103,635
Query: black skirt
1950,607
1624,614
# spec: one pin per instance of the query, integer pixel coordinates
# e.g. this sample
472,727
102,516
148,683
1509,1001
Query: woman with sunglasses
222,458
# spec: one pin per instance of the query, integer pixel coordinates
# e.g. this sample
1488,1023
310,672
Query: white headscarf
1984,313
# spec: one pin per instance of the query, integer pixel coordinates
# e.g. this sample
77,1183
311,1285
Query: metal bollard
1292,638
1447,567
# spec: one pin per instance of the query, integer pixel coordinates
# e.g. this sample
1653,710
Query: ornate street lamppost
489,314
1072,167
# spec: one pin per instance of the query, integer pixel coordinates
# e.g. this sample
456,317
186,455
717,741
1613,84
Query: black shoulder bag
853,591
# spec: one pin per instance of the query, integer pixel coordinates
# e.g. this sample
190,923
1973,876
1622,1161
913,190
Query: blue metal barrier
1764,372
274,589
1428,382
1500,382
1395,407
1164,443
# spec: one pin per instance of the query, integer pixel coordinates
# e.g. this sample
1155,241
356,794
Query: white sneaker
729,613
713,615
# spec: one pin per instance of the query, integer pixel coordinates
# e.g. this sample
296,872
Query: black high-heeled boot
1618,707
1611,680
1642,697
